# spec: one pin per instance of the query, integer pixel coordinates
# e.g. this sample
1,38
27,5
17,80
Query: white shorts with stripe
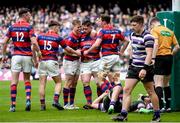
89,67
71,67
110,63
49,68
21,63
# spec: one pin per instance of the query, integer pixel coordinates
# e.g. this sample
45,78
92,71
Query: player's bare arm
176,46
95,45
125,45
155,48
36,46
70,51
4,47
149,52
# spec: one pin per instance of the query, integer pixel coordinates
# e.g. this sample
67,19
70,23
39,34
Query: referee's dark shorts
163,64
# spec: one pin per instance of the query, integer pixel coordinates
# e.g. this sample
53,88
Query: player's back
165,39
49,45
111,38
20,32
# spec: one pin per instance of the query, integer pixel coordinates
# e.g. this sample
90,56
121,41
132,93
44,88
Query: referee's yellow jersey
165,38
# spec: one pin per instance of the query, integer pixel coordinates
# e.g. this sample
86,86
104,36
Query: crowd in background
42,14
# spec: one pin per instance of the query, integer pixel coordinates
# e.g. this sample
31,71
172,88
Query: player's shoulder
93,33
146,33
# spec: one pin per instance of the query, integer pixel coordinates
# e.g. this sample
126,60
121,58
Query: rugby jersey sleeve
121,36
62,42
31,32
100,34
149,41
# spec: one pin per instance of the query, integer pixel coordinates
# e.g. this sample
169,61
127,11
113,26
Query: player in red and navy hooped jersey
71,66
49,43
22,35
89,63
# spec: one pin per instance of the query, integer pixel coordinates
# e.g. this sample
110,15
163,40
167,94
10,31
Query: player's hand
78,52
152,61
142,73
121,53
36,64
85,53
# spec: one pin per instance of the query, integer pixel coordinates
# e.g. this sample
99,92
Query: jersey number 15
47,45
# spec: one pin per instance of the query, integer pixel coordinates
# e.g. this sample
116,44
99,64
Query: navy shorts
163,65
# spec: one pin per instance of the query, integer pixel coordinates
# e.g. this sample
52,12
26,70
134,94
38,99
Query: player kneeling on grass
49,43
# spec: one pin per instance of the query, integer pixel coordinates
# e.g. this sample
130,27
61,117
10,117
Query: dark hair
106,18
54,23
154,19
138,19
23,11
87,23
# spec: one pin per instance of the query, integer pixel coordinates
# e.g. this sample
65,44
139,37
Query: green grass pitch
53,115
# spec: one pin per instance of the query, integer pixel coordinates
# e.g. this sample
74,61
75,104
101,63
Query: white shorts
71,67
49,68
89,67
110,63
21,63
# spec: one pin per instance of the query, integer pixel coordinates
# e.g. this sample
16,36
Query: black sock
167,92
159,92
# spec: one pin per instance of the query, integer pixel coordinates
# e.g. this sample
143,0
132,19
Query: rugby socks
157,113
112,103
99,91
13,95
42,101
28,91
167,92
88,94
65,95
72,95
159,92
56,98
124,113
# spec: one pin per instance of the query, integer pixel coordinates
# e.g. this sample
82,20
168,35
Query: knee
67,84
42,92
126,91
150,92
102,75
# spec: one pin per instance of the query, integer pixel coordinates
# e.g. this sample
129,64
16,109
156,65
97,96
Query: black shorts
117,106
133,73
163,65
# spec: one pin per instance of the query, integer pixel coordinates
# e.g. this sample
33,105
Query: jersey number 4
47,45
